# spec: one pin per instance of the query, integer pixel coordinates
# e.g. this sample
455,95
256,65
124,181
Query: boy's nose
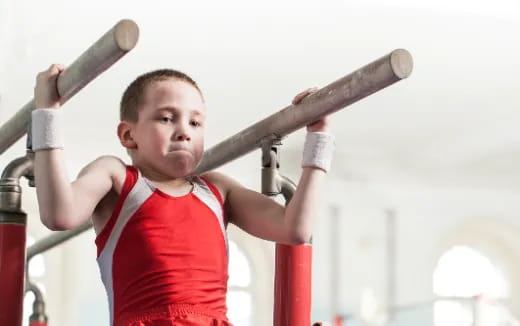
182,136
182,133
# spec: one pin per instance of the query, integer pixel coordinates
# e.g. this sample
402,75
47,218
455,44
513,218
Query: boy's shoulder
109,164
108,161
223,182
217,177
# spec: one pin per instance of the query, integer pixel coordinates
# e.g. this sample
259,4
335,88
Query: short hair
133,95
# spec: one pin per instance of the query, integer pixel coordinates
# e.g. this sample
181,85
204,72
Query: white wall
430,220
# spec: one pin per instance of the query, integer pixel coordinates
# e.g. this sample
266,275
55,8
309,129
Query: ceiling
453,122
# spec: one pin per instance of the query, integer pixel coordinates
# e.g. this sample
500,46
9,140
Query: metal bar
13,225
38,316
293,275
293,269
365,81
287,188
99,57
55,239
22,166
11,192
12,250
292,281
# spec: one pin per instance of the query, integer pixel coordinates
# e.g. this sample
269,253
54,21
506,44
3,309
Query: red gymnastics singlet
161,255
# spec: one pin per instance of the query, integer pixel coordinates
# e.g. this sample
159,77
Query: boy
162,245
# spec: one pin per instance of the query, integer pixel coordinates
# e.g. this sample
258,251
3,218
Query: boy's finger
298,98
308,91
303,94
60,67
56,68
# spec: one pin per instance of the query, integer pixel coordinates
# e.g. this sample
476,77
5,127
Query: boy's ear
124,132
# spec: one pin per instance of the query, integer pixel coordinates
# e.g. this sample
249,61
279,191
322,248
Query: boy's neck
154,176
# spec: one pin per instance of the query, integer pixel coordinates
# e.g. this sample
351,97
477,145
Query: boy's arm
263,217
62,204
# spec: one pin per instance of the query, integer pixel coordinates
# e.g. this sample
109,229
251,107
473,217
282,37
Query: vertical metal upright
293,267
13,224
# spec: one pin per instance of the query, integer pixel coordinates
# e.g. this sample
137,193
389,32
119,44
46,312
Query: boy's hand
320,125
46,90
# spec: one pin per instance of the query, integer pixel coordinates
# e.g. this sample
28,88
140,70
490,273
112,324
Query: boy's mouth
177,149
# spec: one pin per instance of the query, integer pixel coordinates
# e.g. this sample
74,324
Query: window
239,297
471,289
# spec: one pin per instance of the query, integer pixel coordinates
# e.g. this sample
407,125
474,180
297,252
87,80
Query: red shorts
174,315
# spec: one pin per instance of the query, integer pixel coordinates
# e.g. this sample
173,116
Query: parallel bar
99,57
55,239
367,80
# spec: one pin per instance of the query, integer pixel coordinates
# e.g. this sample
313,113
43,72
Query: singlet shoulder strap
209,195
134,192
130,180
213,189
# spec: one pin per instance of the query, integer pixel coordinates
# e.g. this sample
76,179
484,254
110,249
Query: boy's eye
195,123
165,119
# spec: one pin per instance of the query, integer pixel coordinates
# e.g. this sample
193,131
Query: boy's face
169,134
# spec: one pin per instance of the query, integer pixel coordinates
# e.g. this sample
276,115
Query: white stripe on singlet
138,195
204,193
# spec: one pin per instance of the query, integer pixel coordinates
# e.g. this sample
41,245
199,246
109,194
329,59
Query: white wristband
46,129
318,150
